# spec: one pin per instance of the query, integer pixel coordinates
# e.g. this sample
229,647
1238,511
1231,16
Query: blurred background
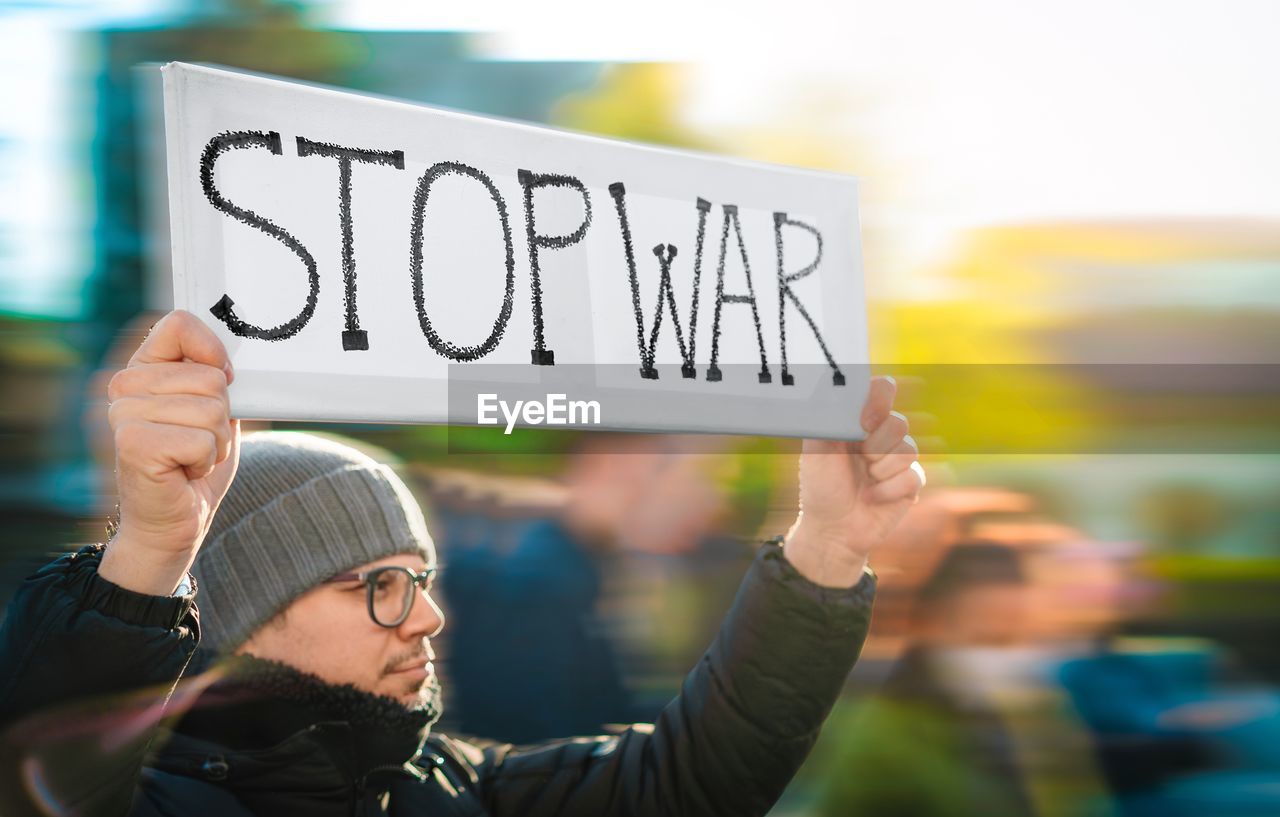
1071,230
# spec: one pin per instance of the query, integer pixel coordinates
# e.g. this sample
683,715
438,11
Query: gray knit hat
301,508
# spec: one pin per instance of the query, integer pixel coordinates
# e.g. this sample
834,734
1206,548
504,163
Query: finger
156,450
201,414
182,336
168,378
190,411
922,422
897,460
879,402
885,437
905,485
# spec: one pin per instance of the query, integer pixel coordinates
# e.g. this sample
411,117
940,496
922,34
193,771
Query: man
312,570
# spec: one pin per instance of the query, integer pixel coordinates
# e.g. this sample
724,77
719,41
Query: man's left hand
852,494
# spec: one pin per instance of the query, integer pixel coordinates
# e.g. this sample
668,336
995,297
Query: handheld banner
371,260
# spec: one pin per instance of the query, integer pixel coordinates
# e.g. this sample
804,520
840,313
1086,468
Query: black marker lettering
541,355
353,337
687,369
223,310
444,347
665,291
713,372
784,291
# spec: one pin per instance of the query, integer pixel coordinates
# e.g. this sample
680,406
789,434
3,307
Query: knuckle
194,444
169,322
899,421
201,380
886,442
210,412
121,383
122,412
114,410
210,449
887,466
212,381
180,319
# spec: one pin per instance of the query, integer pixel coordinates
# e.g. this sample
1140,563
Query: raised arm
749,713
176,452
101,625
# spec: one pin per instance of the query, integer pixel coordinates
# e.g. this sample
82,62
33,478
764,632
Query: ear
251,646
259,643
279,621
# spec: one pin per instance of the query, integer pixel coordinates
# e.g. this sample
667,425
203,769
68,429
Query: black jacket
89,682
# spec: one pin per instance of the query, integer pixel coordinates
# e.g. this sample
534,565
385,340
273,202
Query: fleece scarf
259,704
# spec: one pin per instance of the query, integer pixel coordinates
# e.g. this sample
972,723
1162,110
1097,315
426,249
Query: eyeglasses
389,591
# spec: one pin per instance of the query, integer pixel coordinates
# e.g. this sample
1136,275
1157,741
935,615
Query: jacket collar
267,731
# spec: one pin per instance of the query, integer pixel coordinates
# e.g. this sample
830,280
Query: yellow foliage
640,101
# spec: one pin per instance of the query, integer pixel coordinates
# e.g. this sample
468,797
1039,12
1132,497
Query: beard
427,697
258,702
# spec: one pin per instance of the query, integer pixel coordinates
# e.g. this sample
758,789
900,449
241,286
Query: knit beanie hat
301,509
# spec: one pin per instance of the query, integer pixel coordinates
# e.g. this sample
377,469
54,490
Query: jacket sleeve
744,721
86,668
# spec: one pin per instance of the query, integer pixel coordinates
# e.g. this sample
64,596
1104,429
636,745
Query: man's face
328,633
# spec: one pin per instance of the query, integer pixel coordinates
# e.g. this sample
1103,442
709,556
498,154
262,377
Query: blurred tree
639,101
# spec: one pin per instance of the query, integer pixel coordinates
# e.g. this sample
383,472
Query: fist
176,444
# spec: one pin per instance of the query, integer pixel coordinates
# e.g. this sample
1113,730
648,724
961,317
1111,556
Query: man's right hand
176,452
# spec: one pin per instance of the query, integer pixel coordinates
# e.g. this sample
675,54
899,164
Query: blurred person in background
1173,733
933,741
537,610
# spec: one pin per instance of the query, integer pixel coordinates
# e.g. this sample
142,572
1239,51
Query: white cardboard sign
361,258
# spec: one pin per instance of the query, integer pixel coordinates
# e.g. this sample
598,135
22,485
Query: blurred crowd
1015,666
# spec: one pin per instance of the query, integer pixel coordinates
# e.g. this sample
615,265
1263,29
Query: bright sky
1082,107
981,112
957,114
